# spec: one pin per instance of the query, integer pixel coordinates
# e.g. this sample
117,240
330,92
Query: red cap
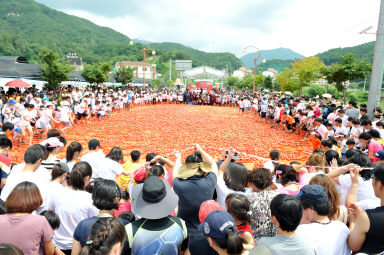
207,207
140,174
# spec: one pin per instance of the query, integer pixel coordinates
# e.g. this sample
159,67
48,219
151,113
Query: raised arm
207,158
176,166
224,165
352,193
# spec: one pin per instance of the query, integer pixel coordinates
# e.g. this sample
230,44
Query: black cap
93,144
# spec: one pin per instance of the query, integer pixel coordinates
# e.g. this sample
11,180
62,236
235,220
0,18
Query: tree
124,75
306,71
345,71
259,81
268,82
233,81
156,83
286,81
247,82
97,73
54,69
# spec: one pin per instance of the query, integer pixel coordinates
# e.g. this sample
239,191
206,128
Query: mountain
361,52
218,60
26,27
279,53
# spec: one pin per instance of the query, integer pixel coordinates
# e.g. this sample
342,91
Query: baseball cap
12,101
93,144
380,154
140,174
313,192
207,207
217,223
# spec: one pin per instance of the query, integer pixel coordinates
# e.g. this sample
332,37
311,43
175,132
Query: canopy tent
205,72
17,84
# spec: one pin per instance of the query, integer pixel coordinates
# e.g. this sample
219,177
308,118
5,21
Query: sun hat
154,199
313,192
52,142
217,223
189,169
380,154
207,207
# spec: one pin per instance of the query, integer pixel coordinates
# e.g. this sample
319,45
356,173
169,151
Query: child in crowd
238,206
54,222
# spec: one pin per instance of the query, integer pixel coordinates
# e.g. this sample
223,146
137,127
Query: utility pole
170,69
378,66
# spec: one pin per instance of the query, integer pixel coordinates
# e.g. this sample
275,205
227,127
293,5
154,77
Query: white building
270,73
140,69
241,72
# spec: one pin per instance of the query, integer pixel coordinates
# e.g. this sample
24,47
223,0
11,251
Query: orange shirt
290,119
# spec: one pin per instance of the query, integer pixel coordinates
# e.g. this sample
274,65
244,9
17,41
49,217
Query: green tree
124,74
156,83
268,82
306,71
286,81
246,82
170,84
54,69
342,73
233,81
259,81
97,73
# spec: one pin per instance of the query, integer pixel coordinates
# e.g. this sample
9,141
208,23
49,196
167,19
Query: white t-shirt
269,165
96,160
364,190
71,206
327,239
322,131
111,169
18,177
64,114
223,191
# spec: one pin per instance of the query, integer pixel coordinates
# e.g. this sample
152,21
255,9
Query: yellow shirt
381,141
124,180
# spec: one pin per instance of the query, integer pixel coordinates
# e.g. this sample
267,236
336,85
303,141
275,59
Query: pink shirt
25,232
374,147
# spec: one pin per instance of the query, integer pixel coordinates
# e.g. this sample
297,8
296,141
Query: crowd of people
97,203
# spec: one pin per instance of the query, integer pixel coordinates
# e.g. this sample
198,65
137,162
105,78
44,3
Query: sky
305,26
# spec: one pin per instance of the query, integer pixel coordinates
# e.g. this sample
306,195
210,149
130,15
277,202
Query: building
241,72
75,61
17,67
271,73
140,69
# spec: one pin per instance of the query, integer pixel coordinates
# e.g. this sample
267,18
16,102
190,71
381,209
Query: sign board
182,65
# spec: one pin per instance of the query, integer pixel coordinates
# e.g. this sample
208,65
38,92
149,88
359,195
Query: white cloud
306,26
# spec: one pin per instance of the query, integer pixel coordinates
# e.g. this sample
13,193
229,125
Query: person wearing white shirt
340,129
112,166
32,157
72,205
95,158
321,129
328,237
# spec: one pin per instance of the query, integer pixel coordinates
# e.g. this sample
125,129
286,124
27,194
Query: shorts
17,130
289,126
81,115
263,114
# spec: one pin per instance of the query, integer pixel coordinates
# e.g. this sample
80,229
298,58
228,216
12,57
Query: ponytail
105,233
71,149
79,172
233,243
